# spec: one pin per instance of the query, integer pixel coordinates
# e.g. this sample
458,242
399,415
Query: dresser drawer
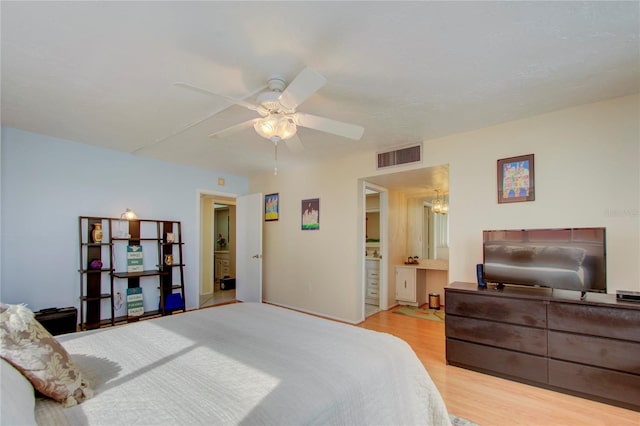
598,351
497,361
507,336
595,320
372,292
372,283
514,311
606,384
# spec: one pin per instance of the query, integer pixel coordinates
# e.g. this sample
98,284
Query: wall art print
311,214
516,179
271,207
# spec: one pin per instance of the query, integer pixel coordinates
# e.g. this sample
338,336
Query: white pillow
17,399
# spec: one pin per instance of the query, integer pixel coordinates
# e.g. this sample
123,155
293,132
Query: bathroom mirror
221,226
428,232
372,225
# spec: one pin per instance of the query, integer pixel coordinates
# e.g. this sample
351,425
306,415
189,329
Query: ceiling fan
279,119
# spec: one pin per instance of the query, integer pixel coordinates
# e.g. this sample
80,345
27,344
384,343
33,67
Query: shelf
147,314
175,265
93,282
94,271
149,273
134,239
102,296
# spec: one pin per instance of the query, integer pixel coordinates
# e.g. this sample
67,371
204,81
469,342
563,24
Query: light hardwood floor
488,400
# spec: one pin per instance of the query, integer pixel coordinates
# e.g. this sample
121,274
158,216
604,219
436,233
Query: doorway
218,250
397,191
375,250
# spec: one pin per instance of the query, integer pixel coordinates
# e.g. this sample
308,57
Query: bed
247,364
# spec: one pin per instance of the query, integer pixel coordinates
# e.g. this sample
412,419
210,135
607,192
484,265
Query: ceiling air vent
410,154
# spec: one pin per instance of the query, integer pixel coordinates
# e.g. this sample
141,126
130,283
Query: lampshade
128,215
275,125
445,208
438,205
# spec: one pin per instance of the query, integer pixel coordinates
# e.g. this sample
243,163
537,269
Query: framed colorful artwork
516,179
271,207
310,214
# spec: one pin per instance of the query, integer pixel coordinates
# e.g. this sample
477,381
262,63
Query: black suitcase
58,320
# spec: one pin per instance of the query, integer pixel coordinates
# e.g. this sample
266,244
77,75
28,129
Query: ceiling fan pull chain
275,168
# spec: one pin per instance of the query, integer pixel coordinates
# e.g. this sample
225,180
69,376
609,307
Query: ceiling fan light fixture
275,125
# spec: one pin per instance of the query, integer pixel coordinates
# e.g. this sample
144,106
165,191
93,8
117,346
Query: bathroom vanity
415,282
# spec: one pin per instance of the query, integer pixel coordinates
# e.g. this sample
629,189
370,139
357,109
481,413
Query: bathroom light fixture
128,215
439,206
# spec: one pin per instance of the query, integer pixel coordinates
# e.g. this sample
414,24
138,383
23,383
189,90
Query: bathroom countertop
435,264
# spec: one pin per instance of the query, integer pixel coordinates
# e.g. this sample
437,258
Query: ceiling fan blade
304,85
240,102
328,125
294,144
233,129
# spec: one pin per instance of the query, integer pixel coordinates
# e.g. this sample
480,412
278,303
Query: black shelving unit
97,285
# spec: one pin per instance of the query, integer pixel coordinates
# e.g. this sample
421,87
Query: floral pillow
30,348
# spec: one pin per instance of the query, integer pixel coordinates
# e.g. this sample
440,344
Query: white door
249,248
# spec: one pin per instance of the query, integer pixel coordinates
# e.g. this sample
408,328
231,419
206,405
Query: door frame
384,246
202,194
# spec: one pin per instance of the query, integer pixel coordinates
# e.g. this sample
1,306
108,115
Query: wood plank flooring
488,400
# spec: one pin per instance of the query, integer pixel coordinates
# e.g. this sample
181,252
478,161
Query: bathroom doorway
218,251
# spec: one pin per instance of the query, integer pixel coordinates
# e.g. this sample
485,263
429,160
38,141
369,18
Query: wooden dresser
548,338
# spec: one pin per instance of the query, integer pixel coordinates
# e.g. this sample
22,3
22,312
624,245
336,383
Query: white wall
586,174
47,183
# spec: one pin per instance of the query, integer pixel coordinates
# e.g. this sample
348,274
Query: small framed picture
170,237
516,179
271,207
311,214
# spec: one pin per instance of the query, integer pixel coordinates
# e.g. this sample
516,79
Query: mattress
247,364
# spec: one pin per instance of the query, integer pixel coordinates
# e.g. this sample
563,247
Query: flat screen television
566,258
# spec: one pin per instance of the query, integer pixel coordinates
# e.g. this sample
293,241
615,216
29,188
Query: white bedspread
250,364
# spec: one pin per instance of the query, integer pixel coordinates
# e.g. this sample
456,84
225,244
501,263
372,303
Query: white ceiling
102,73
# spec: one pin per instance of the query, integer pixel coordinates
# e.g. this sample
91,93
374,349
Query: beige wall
398,235
586,174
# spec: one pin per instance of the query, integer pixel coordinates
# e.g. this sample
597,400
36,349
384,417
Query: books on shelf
134,302
134,259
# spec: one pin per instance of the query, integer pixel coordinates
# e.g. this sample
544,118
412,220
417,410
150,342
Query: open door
249,248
